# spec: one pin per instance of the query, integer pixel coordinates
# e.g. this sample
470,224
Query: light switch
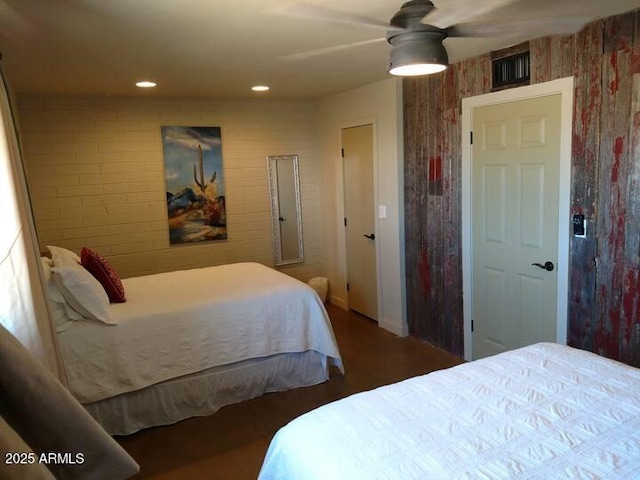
382,211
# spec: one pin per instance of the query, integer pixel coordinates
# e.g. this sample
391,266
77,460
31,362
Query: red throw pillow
105,274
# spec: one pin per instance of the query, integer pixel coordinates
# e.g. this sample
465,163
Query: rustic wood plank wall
584,160
604,290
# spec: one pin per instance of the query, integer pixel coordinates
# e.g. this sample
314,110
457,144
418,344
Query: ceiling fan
416,32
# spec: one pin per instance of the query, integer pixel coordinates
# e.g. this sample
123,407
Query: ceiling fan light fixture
417,69
417,53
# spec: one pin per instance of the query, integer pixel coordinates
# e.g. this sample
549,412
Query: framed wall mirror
286,215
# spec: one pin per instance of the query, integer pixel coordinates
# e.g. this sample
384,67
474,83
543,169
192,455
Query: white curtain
23,307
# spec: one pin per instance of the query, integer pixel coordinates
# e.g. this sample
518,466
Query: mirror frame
272,162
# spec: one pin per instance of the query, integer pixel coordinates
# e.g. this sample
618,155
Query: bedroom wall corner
96,175
381,101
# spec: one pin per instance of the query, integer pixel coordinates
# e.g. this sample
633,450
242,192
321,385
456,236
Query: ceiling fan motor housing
413,42
417,47
410,14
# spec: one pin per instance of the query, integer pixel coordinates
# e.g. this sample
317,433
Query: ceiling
220,48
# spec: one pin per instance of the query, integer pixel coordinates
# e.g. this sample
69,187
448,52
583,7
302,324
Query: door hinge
345,221
347,286
471,138
342,152
471,326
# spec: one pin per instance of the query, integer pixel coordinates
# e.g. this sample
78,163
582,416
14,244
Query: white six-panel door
515,184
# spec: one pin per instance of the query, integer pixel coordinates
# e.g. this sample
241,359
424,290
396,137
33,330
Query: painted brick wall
96,177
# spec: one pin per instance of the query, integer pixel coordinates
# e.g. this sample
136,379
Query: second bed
188,342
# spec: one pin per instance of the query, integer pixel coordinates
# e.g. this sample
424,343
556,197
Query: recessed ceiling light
145,84
260,88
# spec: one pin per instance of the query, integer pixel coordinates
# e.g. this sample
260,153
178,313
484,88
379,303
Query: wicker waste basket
320,285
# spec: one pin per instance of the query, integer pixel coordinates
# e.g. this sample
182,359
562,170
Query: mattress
178,323
544,411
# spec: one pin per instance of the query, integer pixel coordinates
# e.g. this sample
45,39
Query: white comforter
186,321
544,411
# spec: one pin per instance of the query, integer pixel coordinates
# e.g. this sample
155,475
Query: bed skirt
204,393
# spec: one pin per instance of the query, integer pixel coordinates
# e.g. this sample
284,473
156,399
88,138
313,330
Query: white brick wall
96,176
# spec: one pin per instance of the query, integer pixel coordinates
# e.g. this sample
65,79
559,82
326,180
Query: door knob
547,266
370,237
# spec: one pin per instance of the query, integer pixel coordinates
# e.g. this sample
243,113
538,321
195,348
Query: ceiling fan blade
326,50
460,11
318,12
534,28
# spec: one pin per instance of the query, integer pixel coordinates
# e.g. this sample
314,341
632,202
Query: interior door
515,192
362,295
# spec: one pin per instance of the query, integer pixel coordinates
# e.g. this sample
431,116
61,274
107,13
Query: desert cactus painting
194,180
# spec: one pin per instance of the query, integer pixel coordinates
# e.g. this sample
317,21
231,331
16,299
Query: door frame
564,87
374,138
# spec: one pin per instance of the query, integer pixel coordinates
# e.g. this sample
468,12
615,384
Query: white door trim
564,87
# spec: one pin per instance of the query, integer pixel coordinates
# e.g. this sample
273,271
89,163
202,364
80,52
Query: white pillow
50,288
62,315
59,316
62,257
82,292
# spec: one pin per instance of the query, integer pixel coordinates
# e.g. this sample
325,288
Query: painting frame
194,184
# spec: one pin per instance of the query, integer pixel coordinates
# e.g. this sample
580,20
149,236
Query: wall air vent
510,67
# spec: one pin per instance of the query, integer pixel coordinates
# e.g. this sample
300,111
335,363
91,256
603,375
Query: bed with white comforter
541,412
186,343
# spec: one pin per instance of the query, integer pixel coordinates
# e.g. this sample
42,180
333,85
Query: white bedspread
544,411
182,322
